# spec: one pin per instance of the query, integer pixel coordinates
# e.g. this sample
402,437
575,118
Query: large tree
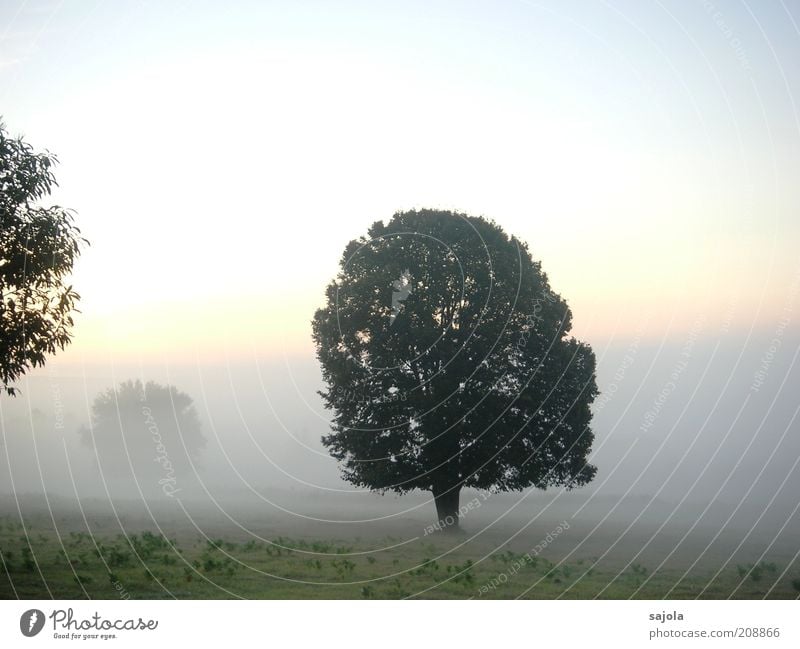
145,434
449,364
38,247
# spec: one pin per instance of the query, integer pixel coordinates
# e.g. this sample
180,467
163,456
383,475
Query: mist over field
710,461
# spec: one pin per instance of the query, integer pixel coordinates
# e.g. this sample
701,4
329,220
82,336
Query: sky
219,158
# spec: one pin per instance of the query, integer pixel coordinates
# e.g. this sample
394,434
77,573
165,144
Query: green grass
37,563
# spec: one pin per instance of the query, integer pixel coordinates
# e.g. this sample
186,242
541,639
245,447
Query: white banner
387,624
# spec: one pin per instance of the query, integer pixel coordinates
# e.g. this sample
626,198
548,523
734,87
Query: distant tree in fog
38,247
147,432
448,364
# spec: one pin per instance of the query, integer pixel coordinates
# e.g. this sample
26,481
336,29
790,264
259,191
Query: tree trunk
447,508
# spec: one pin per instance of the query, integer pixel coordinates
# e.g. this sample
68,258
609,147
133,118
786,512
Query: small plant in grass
148,544
428,566
756,571
113,555
546,565
5,564
28,562
343,566
639,572
769,567
321,547
226,565
397,591
463,573
371,560
507,556
367,592
796,584
76,538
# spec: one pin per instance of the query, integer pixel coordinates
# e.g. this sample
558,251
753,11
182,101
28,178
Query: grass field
38,563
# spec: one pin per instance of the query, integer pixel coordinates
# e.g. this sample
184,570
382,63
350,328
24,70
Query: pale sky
219,159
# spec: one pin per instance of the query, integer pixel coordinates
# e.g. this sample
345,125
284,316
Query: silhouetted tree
448,364
38,246
145,434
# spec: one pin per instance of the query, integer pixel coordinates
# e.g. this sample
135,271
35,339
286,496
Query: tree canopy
448,363
38,247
